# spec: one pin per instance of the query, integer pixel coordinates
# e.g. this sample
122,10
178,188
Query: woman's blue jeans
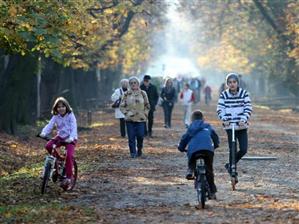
135,132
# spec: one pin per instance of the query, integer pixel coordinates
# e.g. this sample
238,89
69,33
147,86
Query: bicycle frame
58,159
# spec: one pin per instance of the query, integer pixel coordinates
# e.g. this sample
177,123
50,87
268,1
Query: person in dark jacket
168,95
201,140
153,97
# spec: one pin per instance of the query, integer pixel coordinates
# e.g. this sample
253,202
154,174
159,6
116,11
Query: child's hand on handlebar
242,123
226,123
42,135
182,150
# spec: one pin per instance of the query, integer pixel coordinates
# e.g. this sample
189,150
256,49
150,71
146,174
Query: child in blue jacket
201,140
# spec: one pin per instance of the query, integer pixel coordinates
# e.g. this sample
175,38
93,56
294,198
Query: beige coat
135,106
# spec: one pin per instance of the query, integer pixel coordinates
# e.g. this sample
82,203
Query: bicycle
54,168
201,184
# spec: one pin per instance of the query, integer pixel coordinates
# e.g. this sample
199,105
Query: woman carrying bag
116,99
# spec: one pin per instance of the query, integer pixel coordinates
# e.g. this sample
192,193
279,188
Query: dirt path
153,189
113,188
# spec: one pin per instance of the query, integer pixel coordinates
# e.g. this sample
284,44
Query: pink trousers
70,150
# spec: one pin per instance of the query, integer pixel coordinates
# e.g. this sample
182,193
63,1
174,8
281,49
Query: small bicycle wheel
201,190
46,178
234,182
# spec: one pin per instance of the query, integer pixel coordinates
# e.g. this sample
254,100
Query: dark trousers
208,157
150,122
135,132
167,113
208,98
122,124
242,138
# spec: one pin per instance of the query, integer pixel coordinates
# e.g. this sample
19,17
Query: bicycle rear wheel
203,191
46,178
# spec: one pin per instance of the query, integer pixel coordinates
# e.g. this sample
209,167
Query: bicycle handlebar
48,139
44,138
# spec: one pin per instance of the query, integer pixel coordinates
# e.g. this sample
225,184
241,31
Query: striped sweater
234,107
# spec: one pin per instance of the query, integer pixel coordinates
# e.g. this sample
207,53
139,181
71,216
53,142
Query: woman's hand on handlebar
226,123
242,123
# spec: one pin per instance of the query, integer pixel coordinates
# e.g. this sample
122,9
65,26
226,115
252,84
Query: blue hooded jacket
199,136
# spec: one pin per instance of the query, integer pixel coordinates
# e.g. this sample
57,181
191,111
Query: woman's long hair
165,83
64,102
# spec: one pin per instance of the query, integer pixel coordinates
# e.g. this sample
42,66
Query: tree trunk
109,78
18,93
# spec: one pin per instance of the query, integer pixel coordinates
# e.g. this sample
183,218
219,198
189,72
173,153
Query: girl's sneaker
42,173
66,184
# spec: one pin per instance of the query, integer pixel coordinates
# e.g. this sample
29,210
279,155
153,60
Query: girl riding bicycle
201,140
64,120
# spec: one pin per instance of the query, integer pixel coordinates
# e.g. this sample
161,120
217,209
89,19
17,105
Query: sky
174,61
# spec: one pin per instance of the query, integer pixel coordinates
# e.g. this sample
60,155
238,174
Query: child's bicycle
54,168
201,184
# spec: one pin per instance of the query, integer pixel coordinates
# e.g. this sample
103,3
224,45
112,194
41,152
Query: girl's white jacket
66,126
118,93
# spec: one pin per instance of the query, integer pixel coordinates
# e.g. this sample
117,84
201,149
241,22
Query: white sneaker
42,173
66,184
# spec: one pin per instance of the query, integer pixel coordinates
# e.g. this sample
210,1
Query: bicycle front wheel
46,178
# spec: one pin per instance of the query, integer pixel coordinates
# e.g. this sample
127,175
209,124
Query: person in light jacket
135,106
118,94
187,97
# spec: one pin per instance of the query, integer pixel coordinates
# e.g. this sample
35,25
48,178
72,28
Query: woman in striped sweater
234,106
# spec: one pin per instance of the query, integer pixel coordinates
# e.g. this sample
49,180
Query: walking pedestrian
208,94
135,106
187,97
116,98
168,95
153,96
